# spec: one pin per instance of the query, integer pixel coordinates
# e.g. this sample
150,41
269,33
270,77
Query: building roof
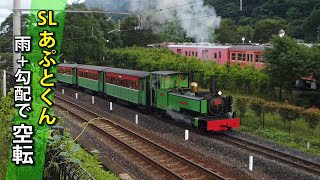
68,65
89,67
128,72
164,72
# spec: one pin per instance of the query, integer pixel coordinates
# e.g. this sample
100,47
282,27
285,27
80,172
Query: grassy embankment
276,130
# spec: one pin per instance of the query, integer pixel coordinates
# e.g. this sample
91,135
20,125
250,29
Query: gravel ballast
204,145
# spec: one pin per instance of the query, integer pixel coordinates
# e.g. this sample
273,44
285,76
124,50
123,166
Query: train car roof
248,47
68,65
202,46
165,73
90,67
128,72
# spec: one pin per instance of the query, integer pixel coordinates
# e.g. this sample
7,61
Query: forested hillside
301,17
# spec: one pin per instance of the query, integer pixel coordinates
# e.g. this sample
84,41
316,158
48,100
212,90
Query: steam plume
197,20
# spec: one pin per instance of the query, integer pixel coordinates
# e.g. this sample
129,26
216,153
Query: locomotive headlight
220,93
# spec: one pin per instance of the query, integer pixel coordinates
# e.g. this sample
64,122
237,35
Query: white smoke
197,20
179,117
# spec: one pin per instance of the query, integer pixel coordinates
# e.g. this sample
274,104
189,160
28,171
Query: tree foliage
294,12
266,28
287,62
227,32
248,79
312,116
173,32
6,117
133,36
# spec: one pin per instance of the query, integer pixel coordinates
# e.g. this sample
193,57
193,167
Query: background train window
124,83
261,59
251,57
248,57
233,56
196,54
142,85
239,57
257,58
244,57
215,56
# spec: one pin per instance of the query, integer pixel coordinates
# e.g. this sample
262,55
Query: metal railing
66,170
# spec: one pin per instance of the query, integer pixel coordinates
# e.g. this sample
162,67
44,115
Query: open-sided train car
160,91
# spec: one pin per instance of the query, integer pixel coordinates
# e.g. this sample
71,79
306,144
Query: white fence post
186,134
137,118
111,106
92,99
251,163
62,91
76,95
308,145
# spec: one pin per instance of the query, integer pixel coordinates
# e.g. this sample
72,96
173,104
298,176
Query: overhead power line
168,8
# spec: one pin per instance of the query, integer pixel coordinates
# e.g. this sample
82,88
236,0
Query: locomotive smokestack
213,85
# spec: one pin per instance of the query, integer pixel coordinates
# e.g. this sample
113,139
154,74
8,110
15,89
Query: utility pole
319,34
4,86
16,32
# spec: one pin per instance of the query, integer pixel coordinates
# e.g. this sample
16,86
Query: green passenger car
67,73
91,77
128,85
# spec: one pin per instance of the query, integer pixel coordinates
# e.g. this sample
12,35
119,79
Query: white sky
6,7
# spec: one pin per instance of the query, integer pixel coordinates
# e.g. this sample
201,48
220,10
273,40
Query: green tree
132,36
227,33
311,24
6,116
173,32
289,113
245,31
312,117
266,28
84,36
286,62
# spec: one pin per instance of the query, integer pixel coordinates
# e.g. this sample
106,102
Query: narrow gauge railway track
306,165
161,162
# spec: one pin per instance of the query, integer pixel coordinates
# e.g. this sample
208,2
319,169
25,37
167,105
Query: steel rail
272,153
169,152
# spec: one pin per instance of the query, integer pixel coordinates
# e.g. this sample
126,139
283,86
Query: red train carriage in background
221,54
